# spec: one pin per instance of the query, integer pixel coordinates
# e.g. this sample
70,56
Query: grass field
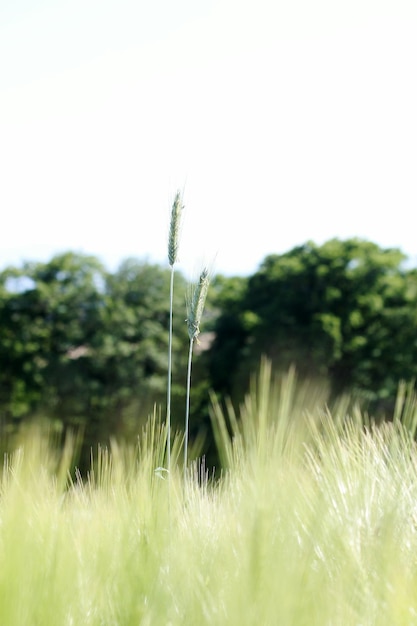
312,521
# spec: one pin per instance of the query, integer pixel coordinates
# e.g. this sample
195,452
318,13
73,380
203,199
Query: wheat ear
174,230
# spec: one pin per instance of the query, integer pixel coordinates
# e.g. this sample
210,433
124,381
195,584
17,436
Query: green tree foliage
228,296
86,347
345,310
47,310
131,352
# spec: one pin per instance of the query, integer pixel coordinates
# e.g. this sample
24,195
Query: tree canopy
86,347
345,311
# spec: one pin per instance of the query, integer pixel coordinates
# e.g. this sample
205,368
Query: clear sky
282,121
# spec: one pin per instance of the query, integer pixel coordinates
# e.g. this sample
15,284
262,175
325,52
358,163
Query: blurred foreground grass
313,520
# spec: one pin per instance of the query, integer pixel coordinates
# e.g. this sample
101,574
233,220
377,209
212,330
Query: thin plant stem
171,299
187,406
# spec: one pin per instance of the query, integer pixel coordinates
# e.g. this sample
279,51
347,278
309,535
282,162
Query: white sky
283,120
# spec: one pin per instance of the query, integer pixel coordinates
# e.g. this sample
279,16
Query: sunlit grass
313,520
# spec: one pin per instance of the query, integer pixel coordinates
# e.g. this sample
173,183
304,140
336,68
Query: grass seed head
174,229
195,306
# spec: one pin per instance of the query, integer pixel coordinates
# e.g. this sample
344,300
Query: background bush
84,347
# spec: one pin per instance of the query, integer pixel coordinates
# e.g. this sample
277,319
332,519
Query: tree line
87,348
345,312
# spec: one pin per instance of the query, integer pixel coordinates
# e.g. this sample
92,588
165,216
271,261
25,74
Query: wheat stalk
195,308
173,246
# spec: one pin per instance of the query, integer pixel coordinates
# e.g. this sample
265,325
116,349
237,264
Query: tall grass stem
173,246
187,407
195,308
171,299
